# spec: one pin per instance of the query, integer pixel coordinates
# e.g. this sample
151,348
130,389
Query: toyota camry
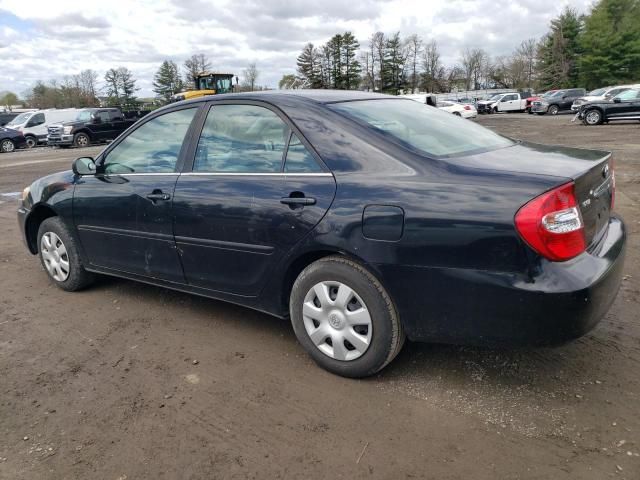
363,218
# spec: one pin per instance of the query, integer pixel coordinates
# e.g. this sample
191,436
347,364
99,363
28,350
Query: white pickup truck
503,102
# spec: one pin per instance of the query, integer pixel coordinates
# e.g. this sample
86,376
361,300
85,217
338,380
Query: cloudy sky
49,39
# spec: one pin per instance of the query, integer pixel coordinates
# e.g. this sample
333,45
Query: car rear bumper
554,303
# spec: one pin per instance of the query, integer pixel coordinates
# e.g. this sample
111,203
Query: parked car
464,111
10,140
599,94
6,117
33,125
559,101
90,125
529,101
364,218
504,102
624,106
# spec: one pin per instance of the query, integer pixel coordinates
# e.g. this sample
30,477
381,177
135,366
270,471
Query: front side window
299,159
102,117
629,95
426,130
37,119
154,147
241,139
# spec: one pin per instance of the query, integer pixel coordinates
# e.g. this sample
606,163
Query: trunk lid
591,171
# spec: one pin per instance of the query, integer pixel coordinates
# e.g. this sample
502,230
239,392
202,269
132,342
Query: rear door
237,211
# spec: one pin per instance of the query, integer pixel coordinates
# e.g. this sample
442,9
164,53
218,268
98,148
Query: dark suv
91,125
560,101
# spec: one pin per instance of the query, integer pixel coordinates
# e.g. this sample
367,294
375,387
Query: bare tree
250,76
431,66
378,44
194,65
527,52
475,63
414,47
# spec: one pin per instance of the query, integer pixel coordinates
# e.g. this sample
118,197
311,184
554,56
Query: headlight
25,193
67,130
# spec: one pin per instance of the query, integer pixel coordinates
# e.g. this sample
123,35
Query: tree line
600,48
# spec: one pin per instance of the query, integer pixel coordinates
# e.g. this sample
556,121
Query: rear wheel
553,110
31,141
593,117
344,318
7,146
81,140
457,114
59,256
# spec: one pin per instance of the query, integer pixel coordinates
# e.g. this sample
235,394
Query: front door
123,213
627,107
238,211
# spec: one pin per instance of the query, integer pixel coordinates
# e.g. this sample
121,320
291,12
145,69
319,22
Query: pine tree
351,66
611,44
167,80
309,69
393,78
559,51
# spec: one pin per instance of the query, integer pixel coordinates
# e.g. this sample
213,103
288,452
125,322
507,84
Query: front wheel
344,318
7,146
457,114
59,256
81,140
553,110
31,141
593,117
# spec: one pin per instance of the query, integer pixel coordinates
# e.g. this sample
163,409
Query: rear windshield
422,128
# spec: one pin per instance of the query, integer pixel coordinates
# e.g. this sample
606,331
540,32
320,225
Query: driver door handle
294,201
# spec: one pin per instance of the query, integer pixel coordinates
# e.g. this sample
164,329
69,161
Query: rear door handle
298,201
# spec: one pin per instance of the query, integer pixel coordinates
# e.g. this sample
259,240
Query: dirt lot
130,381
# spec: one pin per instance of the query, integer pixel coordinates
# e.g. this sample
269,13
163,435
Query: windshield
597,92
20,119
83,116
628,94
559,93
548,94
426,129
495,97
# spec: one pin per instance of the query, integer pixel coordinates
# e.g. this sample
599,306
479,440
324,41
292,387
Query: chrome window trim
246,174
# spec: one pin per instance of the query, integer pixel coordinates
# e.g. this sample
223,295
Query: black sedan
366,219
11,139
624,106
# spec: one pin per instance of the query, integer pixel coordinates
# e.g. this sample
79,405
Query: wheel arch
302,261
39,214
84,130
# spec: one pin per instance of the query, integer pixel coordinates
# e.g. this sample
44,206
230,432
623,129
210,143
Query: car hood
10,132
536,159
592,98
486,102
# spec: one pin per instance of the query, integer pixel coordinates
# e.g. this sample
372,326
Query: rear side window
154,147
241,139
421,128
299,159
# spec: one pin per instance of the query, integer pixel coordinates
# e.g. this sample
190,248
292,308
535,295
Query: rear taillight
467,107
552,225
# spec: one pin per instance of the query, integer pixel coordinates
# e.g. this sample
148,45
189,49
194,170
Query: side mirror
84,166
617,100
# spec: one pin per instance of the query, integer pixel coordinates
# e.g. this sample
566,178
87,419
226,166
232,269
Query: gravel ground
128,381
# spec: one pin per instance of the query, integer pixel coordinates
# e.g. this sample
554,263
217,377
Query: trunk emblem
586,203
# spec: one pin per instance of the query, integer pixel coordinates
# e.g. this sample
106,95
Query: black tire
592,117
495,109
553,109
7,146
457,114
78,278
529,111
387,336
31,141
81,140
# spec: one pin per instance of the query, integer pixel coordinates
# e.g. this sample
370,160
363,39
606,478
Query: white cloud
45,40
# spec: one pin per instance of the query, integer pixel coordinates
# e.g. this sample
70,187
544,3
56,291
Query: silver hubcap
337,321
55,256
593,117
553,110
7,146
82,141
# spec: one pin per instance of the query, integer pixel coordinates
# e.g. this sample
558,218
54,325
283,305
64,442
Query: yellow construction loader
208,83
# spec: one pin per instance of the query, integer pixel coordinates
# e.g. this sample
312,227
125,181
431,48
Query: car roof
317,96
